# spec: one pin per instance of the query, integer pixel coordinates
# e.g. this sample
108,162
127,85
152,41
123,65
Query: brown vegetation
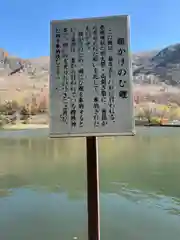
31,99
23,106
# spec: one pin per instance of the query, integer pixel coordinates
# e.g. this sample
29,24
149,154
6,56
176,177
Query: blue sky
24,25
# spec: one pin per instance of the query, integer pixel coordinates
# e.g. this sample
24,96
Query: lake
43,186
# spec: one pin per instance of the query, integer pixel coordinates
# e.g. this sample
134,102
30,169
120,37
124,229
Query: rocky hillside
37,68
151,67
160,66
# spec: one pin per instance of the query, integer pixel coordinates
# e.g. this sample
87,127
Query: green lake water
43,186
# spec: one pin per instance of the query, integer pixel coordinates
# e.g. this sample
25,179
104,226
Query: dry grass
157,102
158,94
25,92
31,96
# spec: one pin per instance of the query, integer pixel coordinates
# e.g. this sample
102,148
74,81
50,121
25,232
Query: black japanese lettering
103,62
122,72
110,72
121,83
121,51
123,94
58,30
104,117
121,61
65,45
120,41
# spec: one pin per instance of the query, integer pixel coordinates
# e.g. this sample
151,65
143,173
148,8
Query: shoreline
22,126
45,126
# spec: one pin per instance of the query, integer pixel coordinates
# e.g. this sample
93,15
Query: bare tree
173,113
148,112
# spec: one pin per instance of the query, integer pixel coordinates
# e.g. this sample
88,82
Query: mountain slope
158,64
163,65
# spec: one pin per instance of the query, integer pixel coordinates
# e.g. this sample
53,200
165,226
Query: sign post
91,90
93,188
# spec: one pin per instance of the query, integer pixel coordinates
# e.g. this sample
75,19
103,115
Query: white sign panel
90,78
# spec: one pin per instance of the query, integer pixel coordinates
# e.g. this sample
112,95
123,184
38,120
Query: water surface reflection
43,188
